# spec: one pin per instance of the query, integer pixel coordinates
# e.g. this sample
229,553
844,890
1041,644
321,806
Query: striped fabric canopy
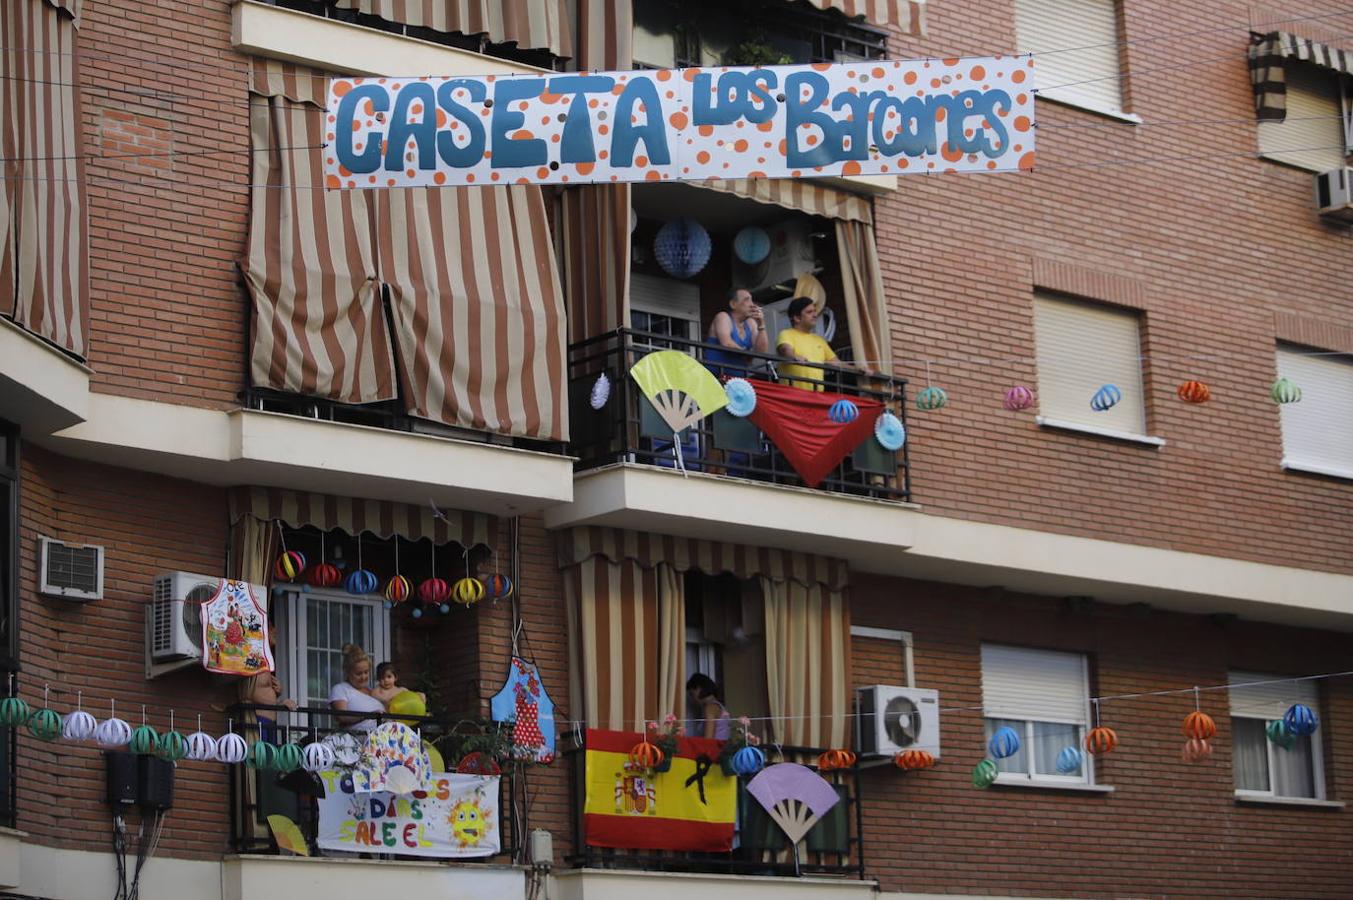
530,24
909,15
1269,54
353,516
798,193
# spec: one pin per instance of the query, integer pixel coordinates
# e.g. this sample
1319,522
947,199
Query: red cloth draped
796,420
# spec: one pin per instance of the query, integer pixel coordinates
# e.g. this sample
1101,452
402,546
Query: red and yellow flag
692,806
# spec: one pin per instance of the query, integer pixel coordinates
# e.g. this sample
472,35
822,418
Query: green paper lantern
171,746
288,758
1284,391
45,725
14,711
1279,736
984,774
931,398
262,756
144,740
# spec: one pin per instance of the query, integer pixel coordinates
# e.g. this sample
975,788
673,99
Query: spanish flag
692,806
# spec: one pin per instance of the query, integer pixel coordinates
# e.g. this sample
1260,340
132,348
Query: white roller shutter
1318,431
1268,701
1041,685
1312,135
1081,347
1085,35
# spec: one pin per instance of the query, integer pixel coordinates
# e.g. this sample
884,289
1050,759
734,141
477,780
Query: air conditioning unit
1334,194
791,254
897,718
174,616
71,571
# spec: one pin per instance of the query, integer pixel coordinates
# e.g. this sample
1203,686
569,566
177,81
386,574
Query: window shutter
1081,347
1091,75
1318,431
1312,135
1042,685
1268,701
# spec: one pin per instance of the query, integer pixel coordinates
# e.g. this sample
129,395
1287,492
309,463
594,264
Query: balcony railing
628,429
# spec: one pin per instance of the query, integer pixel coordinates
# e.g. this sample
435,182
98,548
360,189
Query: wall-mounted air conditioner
1334,194
791,254
71,571
893,718
174,616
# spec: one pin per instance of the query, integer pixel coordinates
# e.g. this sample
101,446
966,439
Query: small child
387,688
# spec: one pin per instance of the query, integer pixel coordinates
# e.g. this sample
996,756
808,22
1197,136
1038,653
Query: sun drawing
469,822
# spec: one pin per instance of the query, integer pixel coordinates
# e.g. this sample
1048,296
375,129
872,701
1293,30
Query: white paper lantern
112,733
201,746
318,756
601,391
79,726
231,749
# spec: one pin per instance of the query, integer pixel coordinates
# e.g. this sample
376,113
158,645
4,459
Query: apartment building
210,358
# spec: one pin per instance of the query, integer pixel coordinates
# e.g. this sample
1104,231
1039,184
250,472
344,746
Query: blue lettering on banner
469,154
510,152
652,131
370,158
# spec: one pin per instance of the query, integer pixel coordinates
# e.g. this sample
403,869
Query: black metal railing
834,845
628,429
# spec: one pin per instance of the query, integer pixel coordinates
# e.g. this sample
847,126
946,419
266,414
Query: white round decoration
79,726
231,749
112,733
601,391
318,756
201,746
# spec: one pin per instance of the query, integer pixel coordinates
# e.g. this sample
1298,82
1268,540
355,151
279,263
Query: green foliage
755,50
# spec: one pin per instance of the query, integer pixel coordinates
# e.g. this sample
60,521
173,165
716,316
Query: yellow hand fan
680,389
288,836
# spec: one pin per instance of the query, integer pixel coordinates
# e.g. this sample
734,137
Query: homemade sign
856,118
450,816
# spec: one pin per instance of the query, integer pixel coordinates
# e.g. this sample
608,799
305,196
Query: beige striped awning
530,24
355,516
271,78
1269,54
797,193
710,557
909,15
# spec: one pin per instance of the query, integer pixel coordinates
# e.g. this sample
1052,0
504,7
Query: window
1076,51
1312,135
1262,768
1044,695
1081,347
9,547
317,625
1318,431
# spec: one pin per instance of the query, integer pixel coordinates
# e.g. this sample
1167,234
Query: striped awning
710,557
909,15
354,516
1269,54
797,193
530,24
271,78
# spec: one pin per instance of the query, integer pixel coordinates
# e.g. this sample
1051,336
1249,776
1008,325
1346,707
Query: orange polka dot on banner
850,168
603,129
740,146
332,181
341,88
784,150
356,126
544,120
935,82
411,173
440,178
1021,99
653,175
614,178
689,74
494,176
333,119
977,73
554,138
1021,123
542,172
468,177
950,152
879,73
368,108
602,154
592,104
525,180
678,120
441,119
883,168
522,135
940,113
586,168
671,95
706,130
352,184
902,163
1026,162
810,140
766,126
909,78
391,182
641,161
702,157
756,174
343,170
371,178
991,164
950,60
329,160
663,75
547,97
618,90
822,67
761,159
796,173
1017,76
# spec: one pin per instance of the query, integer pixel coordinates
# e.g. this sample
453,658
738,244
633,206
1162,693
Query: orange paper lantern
910,760
835,759
646,755
1198,725
1194,392
1101,740
1196,750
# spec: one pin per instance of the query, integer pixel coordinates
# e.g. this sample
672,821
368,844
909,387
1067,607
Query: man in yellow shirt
801,344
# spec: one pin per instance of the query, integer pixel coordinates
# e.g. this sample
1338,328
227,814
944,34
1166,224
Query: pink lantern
1018,398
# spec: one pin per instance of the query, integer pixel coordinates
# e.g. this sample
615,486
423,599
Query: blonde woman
353,693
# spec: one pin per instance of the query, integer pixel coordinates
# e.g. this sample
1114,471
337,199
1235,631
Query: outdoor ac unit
72,571
174,617
897,718
791,254
1334,194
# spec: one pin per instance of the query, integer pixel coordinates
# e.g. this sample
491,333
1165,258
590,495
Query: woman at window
353,693
711,719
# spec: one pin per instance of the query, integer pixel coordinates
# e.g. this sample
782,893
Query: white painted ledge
252,877
621,884
1064,425
11,857
1295,465
1107,112
1244,799
1037,784
41,389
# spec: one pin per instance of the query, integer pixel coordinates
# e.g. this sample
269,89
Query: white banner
861,118
453,816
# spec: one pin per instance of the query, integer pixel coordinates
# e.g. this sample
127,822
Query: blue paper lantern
1300,720
751,245
1106,398
843,412
889,431
741,397
1069,760
1005,742
682,248
748,761
360,581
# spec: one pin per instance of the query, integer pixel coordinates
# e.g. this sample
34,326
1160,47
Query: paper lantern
751,245
682,248
289,566
1300,720
497,586
262,756
889,432
479,763
171,746
1005,742
14,711
931,398
468,591
112,732
1101,740
361,581
835,759
1279,736
1199,725
79,726
288,758
601,391
984,774
201,747
1194,392
317,756
1018,398
324,575
1069,760
1195,750
748,761
45,725
1106,398
434,591
741,397
397,589
646,755
1284,391
843,412
912,760
143,740
231,749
